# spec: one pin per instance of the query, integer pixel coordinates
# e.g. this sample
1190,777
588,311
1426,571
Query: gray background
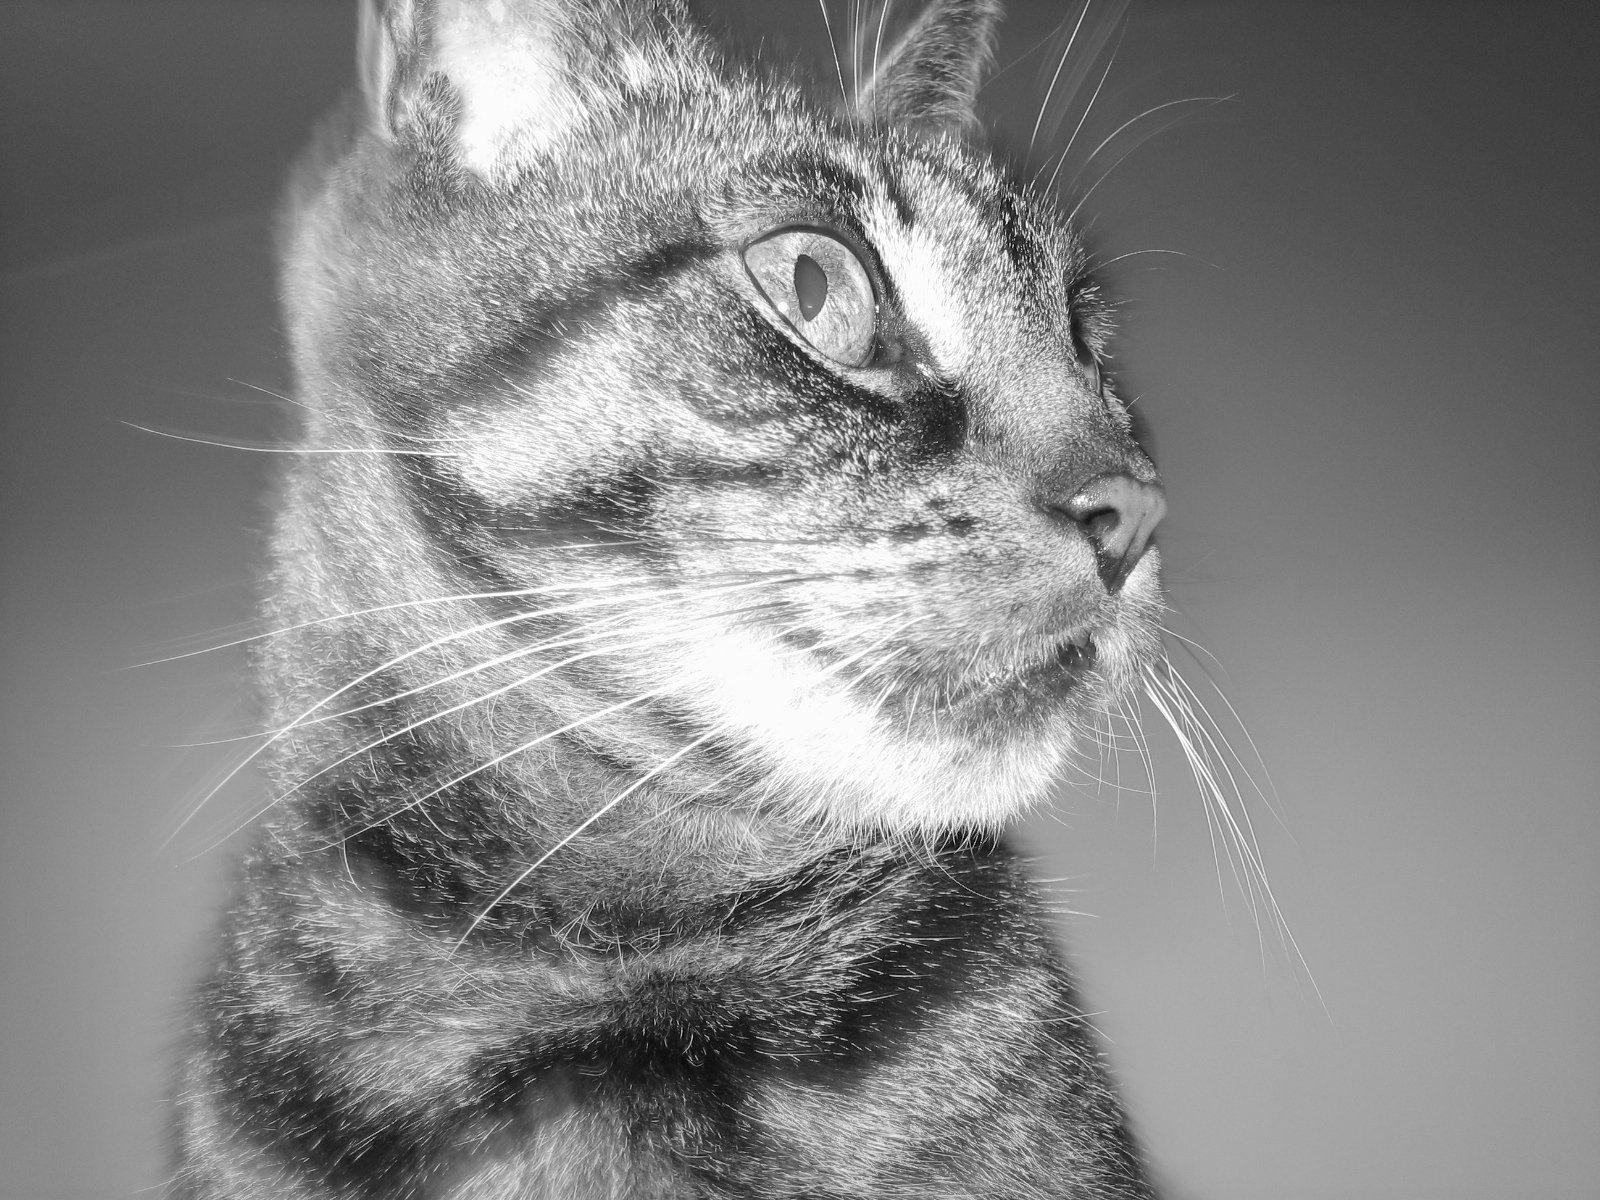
1370,369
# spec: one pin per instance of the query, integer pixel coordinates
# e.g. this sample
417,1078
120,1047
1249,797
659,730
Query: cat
714,523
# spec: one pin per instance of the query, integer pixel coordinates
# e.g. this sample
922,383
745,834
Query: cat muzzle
1118,514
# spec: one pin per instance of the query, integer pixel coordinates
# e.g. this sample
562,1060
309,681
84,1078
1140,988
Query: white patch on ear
523,72
508,64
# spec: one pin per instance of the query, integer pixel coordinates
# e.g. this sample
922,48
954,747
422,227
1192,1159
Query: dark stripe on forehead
1017,236
903,210
996,203
842,181
1018,232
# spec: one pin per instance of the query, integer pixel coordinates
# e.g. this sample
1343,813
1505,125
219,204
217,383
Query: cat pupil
810,286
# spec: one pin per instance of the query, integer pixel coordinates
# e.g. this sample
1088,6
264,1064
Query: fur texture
654,681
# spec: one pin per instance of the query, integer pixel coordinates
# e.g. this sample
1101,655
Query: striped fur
652,688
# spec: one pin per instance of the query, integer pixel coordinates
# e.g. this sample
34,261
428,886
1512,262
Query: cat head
801,395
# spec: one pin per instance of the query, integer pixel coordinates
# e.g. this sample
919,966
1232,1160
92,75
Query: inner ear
386,39
924,72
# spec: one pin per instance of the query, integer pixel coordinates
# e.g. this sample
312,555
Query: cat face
803,404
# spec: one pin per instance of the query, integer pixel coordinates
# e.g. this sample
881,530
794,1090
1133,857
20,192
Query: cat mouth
999,685
1075,656
1060,670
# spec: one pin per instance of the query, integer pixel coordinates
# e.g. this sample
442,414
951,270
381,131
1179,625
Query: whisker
1098,265
1238,826
577,831
888,688
1268,794
1084,197
628,646
304,718
1061,63
597,631
855,53
1088,109
1203,779
390,664
1240,829
631,646
632,643
833,48
1182,695
1135,723
340,419
354,614
877,45
1204,749
261,448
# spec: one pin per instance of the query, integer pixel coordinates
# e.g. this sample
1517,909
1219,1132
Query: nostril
1100,523
1118,514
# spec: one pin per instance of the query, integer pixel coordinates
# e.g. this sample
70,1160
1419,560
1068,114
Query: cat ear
923,73
519,73
386,38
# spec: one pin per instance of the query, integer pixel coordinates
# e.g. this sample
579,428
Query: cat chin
925,787
830,758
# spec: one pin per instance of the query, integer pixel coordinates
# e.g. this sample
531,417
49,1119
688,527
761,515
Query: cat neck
516,853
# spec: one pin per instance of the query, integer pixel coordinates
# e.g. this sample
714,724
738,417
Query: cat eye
820,287
1091,371
1088,360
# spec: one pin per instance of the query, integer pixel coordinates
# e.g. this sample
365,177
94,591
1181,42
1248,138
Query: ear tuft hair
926,74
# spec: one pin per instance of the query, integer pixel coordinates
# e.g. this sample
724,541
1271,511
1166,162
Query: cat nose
1118,514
